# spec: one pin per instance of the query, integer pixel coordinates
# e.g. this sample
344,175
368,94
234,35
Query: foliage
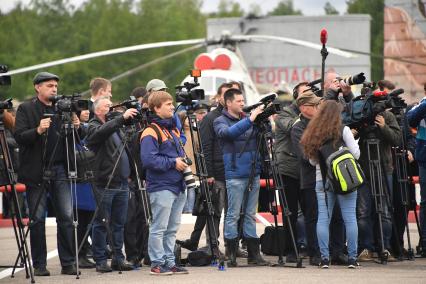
285,7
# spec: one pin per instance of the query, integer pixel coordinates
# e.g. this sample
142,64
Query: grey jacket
288,163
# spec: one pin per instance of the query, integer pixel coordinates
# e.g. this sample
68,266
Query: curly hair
325,125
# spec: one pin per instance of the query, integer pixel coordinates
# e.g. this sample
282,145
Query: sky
308,7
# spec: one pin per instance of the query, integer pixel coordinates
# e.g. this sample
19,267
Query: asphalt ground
394,272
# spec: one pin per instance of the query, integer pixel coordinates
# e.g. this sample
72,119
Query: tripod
16,215
264,148
200,164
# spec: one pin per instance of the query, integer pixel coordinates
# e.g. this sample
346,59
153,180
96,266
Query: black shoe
340,259
103,268
41,271
85,263
121,266
290,258
253,250
314,260
69,270
231,246
325,263
187,244
352,264
136,263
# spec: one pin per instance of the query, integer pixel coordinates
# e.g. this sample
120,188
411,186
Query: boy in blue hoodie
162,157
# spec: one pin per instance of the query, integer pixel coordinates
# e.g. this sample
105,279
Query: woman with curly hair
324,128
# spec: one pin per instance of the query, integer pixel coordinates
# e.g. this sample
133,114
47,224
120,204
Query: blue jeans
60,195
347,204
190,199
236,189
166,210
422,174
112,213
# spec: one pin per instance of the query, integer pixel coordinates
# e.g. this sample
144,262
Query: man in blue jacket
237,136
162,157
417,118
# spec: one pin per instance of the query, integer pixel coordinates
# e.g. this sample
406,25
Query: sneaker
160,271
352,264
178,270
365,255
325,263
41,271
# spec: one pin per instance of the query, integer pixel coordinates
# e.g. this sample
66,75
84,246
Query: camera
5,80
132,102
71,103
363,109
187,174
270,107
6,104
353,80
186,93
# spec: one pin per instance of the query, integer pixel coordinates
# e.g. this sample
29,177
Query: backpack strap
157,131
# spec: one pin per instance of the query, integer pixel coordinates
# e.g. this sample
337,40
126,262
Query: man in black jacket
37,136
112,170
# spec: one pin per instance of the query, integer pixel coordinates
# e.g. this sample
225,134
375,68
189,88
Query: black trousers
293,195
84,218
136,230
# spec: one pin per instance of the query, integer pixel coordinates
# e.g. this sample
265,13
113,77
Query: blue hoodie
417,118
233,134
159,160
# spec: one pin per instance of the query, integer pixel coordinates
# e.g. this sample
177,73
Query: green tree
226,9
285,7
376,10
330,10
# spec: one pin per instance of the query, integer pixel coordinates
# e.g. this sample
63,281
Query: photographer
388,132
417,118
112,170
162,157
37,136
233,130
337,89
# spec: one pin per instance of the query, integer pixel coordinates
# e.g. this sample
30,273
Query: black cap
200,106
44,76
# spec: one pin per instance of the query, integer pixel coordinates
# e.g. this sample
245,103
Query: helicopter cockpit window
206,83
220,81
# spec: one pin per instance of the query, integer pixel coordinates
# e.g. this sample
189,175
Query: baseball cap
307,98
44,76
155,85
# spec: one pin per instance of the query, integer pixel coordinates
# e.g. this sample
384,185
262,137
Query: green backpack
341,168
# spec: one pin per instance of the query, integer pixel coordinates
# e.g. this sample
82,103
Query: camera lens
189,178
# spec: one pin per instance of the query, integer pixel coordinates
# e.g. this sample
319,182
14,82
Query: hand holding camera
180,164
130,113
256,112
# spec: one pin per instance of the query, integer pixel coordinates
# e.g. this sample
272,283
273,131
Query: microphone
323,36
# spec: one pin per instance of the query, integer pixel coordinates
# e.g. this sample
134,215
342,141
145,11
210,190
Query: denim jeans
166,208
109,222
422,174
60,194
347,204
236,189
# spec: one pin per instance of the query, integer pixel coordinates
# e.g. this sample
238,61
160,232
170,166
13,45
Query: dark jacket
390,135
238,140
288,163
31,144
100,140
159,160
307,171
417,118
211,147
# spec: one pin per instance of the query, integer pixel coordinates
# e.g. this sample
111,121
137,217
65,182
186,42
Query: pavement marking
8,272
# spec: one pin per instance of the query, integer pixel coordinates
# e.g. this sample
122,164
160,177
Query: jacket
288,163
159,160
31,144
389,136
100,140
238,141
307,171
417,118
211,146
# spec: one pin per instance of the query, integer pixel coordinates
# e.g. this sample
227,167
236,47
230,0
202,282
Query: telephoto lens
189,178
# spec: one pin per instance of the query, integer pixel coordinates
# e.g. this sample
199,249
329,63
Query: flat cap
44,76
307,98
155,85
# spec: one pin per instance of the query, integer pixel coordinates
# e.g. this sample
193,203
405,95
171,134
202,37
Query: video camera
69,104
364,109
6,104
132,102
270,107
186,93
